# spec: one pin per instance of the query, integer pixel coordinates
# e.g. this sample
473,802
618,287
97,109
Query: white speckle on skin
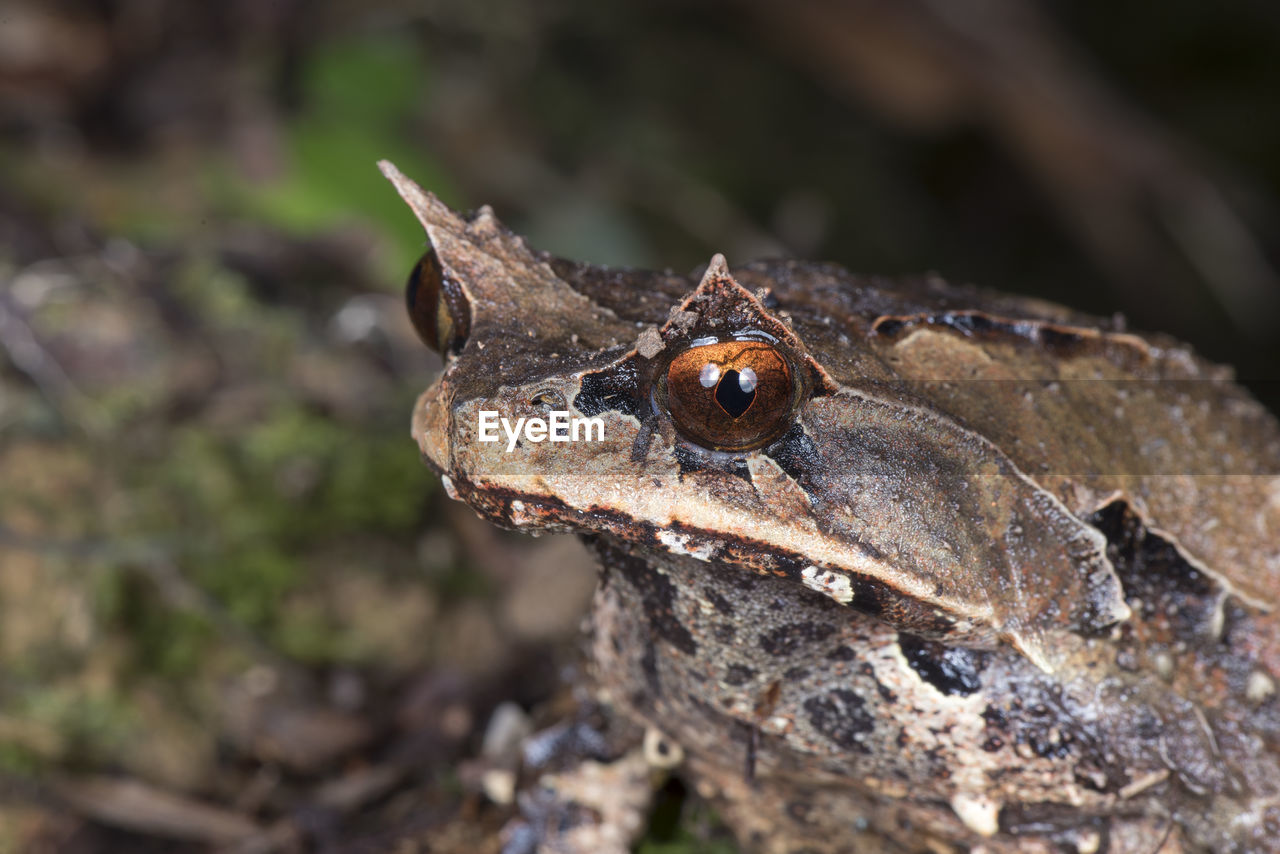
1163,662
1261,686
660,751
447,482
980,814
519,517
778,725
679,544
834,584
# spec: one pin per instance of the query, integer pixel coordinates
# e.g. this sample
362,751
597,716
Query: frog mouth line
873,597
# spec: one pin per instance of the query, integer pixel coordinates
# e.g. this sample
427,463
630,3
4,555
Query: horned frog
895,566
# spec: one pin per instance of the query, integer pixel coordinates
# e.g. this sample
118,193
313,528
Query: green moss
310,637
687,843
20,760
221,298
253,508
164,639
250,580
681,825
360,97
334,480
88,726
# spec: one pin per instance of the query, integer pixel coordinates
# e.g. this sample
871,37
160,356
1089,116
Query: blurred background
236,612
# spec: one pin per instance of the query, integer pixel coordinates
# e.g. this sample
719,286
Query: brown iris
730,395
436,306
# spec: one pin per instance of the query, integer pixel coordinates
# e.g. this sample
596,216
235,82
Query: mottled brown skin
1005,583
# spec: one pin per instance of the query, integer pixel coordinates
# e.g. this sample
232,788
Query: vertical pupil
736,391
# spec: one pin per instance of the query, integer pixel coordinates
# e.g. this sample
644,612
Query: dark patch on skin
841,716
725,632
791,565
692,460
1047,818
877,599
738,675
615,389
1060,340
951,669
938,759
753,747
795,674
868,598
649,664
1044,745
644,438
970,323
659,597
1038,721
718,602
842,653
1237,622
889,327
795,453
788,638
689,462
996,718
1158,582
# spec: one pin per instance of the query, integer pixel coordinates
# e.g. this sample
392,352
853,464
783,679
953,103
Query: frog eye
730,395
436,306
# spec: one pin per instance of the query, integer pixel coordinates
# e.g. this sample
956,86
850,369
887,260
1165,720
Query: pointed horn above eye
718,268
431,212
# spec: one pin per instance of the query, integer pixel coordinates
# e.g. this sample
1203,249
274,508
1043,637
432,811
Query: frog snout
431,428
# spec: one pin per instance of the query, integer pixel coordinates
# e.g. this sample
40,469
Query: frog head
702,426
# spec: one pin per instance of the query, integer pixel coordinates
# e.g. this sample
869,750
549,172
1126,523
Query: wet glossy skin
951,570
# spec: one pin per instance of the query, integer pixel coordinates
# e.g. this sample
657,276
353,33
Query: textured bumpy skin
1005,583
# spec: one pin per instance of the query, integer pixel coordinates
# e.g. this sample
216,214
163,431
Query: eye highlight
730,395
